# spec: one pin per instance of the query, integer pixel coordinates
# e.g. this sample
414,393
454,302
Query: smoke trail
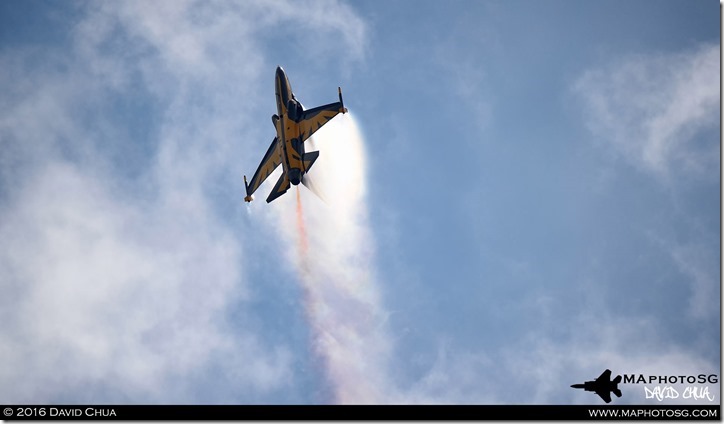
335,264
301,230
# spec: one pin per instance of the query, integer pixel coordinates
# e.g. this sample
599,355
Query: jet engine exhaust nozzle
295,176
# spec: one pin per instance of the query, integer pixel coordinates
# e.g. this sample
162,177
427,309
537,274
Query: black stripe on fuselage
282,89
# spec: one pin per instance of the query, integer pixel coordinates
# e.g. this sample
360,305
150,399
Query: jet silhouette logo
603,386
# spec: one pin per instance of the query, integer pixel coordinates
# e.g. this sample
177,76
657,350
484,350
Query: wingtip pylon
339,90
248,197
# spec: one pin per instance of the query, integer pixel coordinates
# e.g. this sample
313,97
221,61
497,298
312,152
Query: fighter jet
293,125
603,386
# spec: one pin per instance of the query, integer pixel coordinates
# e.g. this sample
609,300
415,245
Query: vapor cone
335,265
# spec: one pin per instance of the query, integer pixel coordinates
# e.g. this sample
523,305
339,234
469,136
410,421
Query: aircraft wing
605,376
605,395
269,163
313,119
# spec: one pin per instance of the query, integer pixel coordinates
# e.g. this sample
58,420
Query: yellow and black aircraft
294,125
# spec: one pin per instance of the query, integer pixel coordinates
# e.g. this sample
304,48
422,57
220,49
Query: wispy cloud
118,268
102,289
596,339
540,366
698,261
660,112
656,110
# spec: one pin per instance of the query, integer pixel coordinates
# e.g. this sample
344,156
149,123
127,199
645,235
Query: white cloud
119,289
103,289
656,110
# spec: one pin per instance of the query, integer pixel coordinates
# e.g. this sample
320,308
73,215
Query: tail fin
616,391
308,159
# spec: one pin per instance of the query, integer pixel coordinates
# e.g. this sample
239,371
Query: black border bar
359,412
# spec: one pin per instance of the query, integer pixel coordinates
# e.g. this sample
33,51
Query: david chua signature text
78,412
669,392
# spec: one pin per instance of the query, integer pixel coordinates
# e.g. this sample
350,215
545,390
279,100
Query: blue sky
525,194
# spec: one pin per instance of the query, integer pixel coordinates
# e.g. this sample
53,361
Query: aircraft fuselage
589,386
288,128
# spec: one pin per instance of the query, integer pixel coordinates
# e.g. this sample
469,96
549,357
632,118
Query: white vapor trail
334,259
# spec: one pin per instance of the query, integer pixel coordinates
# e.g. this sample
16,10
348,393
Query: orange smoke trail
301,229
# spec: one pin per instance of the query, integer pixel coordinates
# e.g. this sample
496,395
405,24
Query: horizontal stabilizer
308,159
280,188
